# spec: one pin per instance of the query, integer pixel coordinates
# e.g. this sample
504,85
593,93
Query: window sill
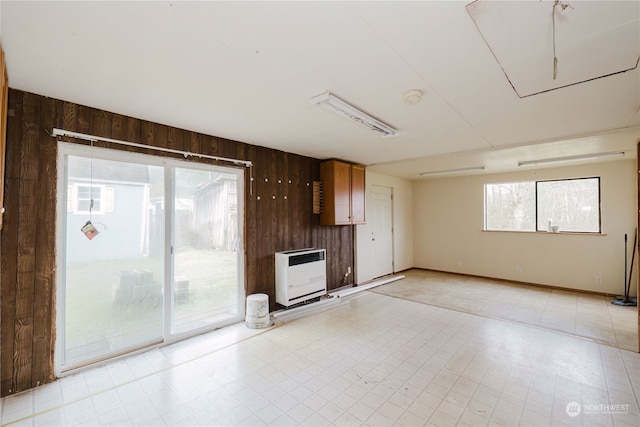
573,233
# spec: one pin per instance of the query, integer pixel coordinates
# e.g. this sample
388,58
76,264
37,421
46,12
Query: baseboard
519,282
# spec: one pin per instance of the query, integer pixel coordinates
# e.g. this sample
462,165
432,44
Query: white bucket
257,311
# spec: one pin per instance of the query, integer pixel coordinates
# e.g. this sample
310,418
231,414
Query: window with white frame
564,205
80,195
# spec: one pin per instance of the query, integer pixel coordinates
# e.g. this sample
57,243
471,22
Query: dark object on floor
632,301
626,300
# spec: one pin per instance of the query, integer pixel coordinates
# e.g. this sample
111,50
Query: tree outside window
573,205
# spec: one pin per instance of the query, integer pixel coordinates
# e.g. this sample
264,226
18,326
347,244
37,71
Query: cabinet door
357,194
336,182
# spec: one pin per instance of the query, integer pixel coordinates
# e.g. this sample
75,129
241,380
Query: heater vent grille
317,197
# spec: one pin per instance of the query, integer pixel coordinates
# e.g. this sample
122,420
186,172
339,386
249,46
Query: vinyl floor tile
371,359
586,315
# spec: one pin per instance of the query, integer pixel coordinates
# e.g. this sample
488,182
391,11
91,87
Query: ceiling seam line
426,82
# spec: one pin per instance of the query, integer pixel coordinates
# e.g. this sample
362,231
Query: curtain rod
186,154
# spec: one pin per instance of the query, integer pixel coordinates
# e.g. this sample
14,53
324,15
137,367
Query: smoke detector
412,97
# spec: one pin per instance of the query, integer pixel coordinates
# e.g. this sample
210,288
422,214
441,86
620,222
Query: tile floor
586,315
367,359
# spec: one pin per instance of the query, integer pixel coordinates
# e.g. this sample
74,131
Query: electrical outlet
598,279
518,269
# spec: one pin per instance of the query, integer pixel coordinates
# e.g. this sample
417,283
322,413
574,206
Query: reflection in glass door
206,248
113,283
167,261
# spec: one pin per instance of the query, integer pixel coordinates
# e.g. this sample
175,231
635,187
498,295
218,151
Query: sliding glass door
149,250
206,247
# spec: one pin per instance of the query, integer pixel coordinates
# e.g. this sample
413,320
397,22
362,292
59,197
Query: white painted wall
449,218
402,225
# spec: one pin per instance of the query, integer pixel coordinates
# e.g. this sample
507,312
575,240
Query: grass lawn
98,322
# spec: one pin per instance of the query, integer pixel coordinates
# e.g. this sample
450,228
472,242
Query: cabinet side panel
357,194
342,192
327,176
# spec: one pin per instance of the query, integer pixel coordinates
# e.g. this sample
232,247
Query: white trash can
257,314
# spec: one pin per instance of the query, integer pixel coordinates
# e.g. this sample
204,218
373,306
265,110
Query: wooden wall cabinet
343,186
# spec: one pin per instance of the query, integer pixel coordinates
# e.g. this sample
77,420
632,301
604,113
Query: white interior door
375,238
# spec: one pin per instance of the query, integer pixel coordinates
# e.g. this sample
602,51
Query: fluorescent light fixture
571,158
451,171
332,103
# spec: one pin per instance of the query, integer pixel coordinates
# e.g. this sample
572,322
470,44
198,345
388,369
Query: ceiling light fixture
571,158
451,171
332,103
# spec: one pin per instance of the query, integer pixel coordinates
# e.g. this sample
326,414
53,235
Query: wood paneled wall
278,215
4,93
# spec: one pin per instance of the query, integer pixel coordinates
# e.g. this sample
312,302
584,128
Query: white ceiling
246,71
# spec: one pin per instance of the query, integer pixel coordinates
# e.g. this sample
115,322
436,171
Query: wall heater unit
300,275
